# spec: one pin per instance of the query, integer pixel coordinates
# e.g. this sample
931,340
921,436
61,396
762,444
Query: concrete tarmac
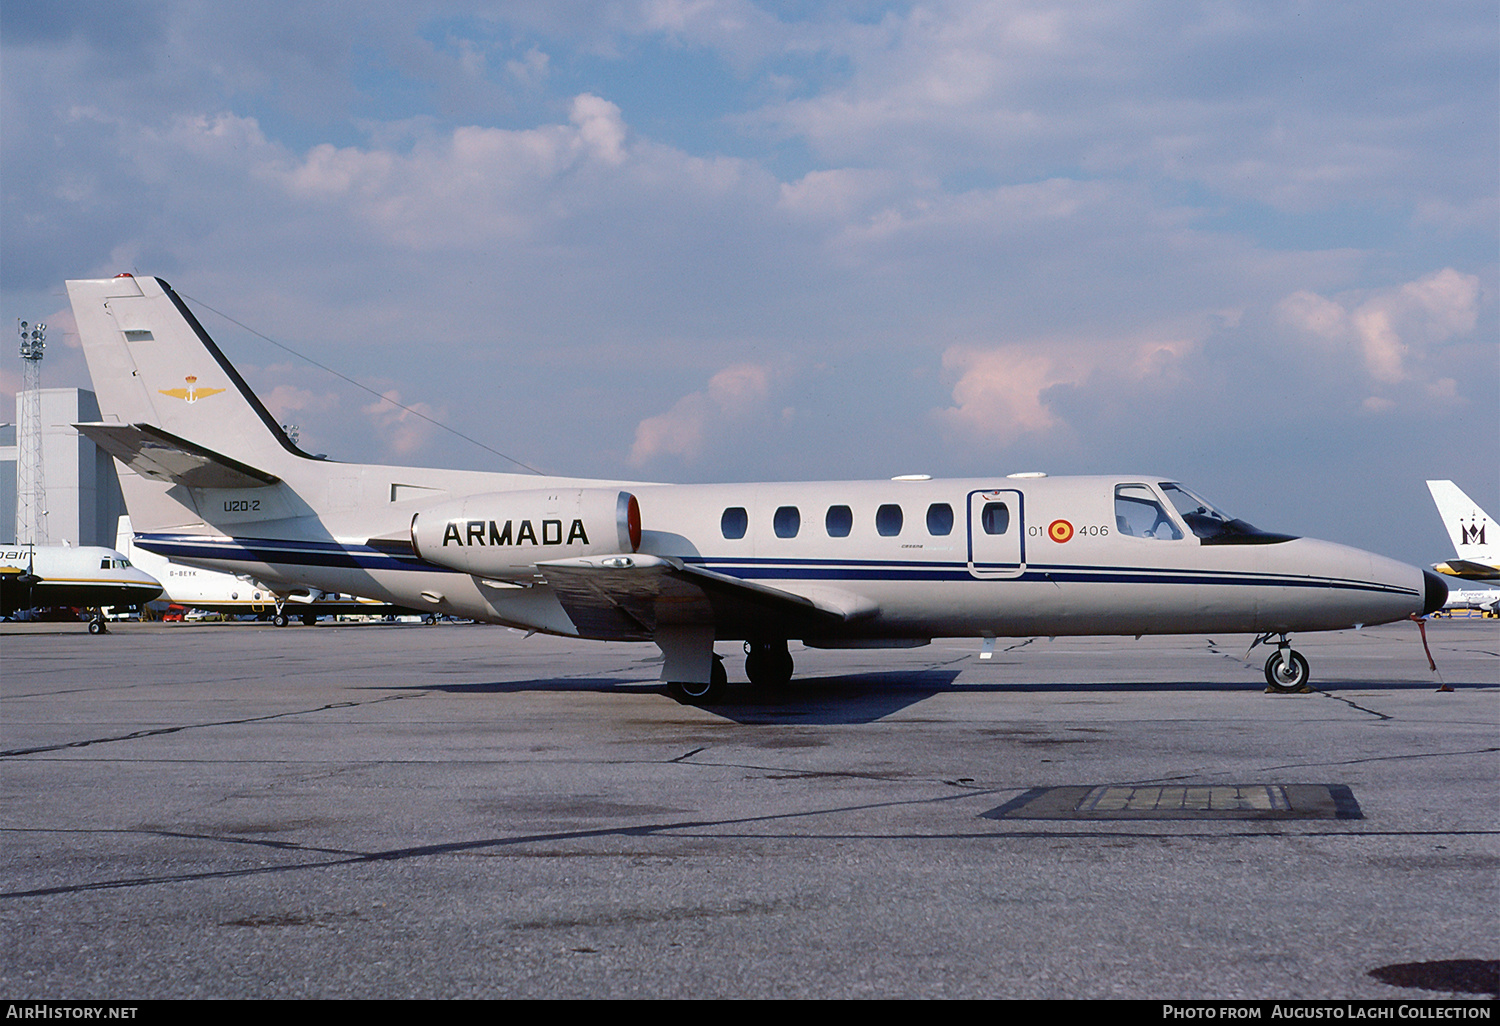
394,811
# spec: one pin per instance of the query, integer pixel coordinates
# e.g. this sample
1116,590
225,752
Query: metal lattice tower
31,489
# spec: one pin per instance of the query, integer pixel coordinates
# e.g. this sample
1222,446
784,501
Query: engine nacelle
505,534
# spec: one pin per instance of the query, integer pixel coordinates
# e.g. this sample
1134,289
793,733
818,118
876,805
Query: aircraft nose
1435,592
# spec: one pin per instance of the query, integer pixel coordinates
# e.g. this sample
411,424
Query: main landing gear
768,664
707,692
1286,670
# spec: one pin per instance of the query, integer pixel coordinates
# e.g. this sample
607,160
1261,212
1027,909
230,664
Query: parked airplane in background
63,576
1480,596
1472,531
240,594
211,479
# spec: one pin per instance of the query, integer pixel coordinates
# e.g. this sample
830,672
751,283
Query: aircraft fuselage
1062,565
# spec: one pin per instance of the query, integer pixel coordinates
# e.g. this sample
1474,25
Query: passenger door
997,532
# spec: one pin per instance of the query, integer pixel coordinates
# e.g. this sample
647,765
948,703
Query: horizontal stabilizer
162,456
1469,569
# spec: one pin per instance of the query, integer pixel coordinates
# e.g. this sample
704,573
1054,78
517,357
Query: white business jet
210,479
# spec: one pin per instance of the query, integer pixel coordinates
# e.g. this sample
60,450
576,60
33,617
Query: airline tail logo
1471,534
192,393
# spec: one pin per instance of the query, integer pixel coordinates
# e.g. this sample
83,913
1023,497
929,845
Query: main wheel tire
768,664
702,692
309,619
1286,675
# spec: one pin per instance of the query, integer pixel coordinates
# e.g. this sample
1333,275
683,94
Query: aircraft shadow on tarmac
868,697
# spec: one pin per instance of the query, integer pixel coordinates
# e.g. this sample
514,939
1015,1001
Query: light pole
31,490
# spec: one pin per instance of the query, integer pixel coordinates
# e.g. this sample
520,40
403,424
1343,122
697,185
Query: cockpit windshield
1211,524
1186,503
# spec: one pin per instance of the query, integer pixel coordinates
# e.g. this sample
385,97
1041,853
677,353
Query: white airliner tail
1471,529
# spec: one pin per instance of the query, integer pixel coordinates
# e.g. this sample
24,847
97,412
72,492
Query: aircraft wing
629,596
162,456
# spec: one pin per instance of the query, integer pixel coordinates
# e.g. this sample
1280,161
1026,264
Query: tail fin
1470,528
175,412
152,363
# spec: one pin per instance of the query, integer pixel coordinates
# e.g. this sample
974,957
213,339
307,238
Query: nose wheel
1286,670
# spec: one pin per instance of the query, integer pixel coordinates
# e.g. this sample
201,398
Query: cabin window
735,522
787,522
840,521
1140,514
888,520
939,519
994,518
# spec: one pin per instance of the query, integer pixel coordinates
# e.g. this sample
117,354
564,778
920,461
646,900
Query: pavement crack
1355,705
156,731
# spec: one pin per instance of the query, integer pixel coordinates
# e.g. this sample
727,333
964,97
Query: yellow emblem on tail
192,393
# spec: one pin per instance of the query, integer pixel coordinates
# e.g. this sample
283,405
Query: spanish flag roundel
1059,531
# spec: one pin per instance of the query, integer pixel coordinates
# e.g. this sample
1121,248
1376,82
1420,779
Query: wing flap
162,456
628,596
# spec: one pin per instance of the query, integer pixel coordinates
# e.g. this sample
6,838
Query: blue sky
1250,246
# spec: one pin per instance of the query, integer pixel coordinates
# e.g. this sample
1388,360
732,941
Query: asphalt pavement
458,811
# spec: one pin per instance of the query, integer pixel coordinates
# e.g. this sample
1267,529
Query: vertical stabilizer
152,363
177,416
1470,528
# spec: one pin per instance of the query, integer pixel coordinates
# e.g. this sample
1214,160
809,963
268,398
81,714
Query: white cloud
1001,393
532,70
1391,329
403,427
733,394
599,127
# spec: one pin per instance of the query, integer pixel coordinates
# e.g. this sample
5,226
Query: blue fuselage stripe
360,557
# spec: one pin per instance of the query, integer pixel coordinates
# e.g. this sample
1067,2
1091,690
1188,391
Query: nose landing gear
1286,670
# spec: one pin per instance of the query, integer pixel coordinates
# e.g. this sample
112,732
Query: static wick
1422,626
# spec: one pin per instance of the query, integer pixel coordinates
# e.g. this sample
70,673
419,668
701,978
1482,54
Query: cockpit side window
1140,514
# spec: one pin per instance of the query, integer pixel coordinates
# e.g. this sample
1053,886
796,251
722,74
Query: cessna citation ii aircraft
211,480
